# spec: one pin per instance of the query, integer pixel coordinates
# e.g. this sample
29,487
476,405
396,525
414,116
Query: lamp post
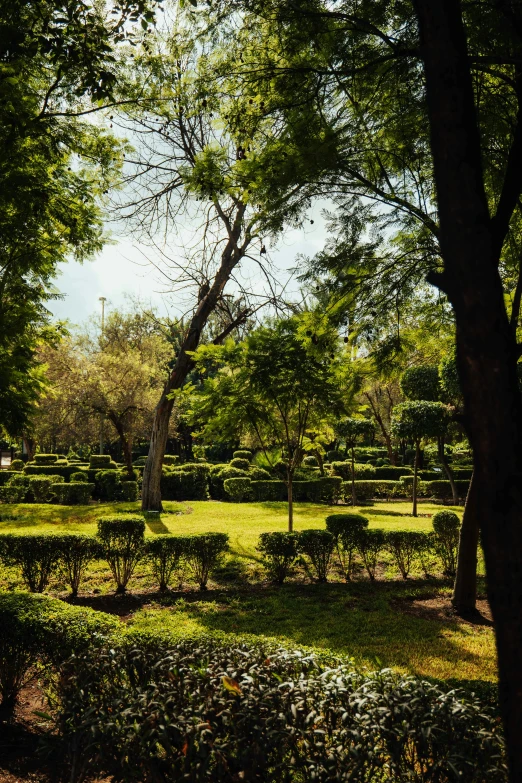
102,299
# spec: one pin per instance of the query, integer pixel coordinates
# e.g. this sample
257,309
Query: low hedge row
106,485
121,542
327,489
135,707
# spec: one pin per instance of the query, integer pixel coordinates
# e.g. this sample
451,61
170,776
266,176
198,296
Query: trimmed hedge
442,489
345,529
76,493
371,489
241,464
45,459
17,464
238,489
168,459
391,472
164,553
242,454
40,487
34,554
64,471
318,546
123,539
204,552
188,482
264,491
101,462
279,552
361,470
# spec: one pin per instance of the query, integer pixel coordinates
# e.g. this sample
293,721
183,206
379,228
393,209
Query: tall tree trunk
30,446
290,482
231,256
415,479
464,596
386,435
471,244
125,442
354,499
447,470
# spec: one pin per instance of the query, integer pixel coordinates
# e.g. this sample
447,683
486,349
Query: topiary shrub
122,539
318,546
16,489
76,493
441,489
164,553
108,485
218,475
204,551
258,474
365,490
34,554
279,551
345,529
335,456
241,464
370,544
75,552
78,477
330,489
391,473
310,461
405,546
238,489
362,470
17,464
129,491
265,491
40,487
188,482
243,454
100,461
168,459
446,527
45,459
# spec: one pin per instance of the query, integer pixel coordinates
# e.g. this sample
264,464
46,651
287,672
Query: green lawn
389,623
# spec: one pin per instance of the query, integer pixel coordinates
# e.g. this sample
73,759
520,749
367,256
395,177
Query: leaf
231,685
44,715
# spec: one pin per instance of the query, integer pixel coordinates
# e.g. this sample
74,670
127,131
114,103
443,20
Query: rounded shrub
242,454
75,552
122,539
75,493
168,459
79,476
40,487
370,544
204,552
241,464
345,528
318,546
335,456
310,461
446,528
45,459
102,462
35,555
238,489
406,546
279,551
164,553
17,464
258,474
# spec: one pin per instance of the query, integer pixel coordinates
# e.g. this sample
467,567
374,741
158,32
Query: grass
387,623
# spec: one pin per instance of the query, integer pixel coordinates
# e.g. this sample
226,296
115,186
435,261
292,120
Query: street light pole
102,299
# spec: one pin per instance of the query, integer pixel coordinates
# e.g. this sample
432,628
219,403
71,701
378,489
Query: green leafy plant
405,546
76,493
318,546
279,551
40,487
238,489
79,476
204,552
17,464
370,544
345,529
75,552
446,527
34,554
164,553
243,454
122,539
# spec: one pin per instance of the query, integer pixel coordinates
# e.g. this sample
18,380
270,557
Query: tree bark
415,479
126,445
448,472
471,243
464,596
232,254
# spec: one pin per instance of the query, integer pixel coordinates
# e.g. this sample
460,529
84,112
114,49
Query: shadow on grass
155,524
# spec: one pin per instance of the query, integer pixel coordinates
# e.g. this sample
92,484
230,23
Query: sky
122,270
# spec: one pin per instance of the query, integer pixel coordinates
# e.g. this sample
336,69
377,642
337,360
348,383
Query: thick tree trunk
448,472
415,480
465,589
471,243
151,489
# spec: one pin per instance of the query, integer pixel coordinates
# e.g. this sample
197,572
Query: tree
414,421
275,385
351,431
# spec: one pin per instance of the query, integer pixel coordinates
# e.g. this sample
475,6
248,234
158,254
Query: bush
189,482
207,710
45,459
76,493
204,551
264,491
238,489
366,490
100,461
122,539
40,487
370,544
64,471
108,485
164,553
75,552
446,526
17,464
391,472
318,546
258,474
129,491
361,470
79,476
335,456
310,462
37,628
241,464
243,454
330,489
345,529
279,552
168,459
16,488
405,546
442,489
34,554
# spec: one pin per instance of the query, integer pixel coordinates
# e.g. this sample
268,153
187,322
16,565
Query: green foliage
129,491
217,477
405,546
318,546
449,379
101,462
204,552
243,454
310,462
345,529
224,694
446,526
362,470
188,482
168,459
258,474
238,489
17,464
241,464
421,383
419,419
122,539
269,490
391,472
279,552
370,544
34,554
40,487
442,489
45,459
79,476
164,553
36,629
352,430
365,490
330,487
15,489
75,553
76,493
335,456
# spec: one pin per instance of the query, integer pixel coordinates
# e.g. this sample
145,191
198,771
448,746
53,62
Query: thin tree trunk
290,480
464,596
471,242
415,474
354,499
386,435
448,472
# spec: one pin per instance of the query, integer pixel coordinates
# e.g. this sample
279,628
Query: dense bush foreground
140,708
